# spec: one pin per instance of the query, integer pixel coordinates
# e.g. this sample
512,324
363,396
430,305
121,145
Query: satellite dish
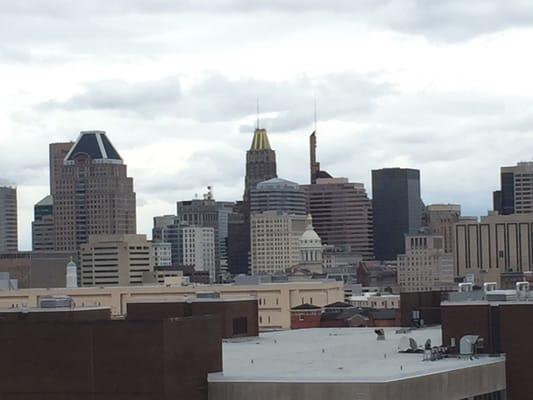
413,345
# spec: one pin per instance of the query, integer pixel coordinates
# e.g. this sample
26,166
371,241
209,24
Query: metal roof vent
469,344
522,290
465,287
489,286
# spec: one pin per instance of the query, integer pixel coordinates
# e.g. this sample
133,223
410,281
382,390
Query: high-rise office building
341,210
199,249
342,214
425,266
238,241
115,260
278,194
397,210
57,154
275,239
42,227
93,194
8,219
260,162
260,166
167,229
209,213
516,190
439,219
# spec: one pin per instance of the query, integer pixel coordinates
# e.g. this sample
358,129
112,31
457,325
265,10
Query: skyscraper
341,210
260,166
515,191
342,214
93,194
57,154
8,219
209,213
397,210
260,162
42,227
278,195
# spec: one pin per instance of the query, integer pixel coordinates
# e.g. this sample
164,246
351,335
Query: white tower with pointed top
72,274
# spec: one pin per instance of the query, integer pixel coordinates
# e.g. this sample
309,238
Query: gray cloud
441,20
145,98
218,98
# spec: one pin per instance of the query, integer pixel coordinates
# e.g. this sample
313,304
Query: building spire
257,126
315,113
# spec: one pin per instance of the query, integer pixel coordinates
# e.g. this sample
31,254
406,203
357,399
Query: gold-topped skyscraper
260,162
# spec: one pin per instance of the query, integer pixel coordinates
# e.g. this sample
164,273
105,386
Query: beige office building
439,220
115,260
275,300
92,193
275,241
425,266
499,243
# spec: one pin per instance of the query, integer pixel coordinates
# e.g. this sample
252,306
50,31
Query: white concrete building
199,249
162,254
275,241
112,260
425,265
72,275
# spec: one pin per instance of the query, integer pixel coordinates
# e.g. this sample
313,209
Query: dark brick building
48,356
237,317
505,328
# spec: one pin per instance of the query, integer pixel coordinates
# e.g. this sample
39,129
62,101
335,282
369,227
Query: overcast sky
442,86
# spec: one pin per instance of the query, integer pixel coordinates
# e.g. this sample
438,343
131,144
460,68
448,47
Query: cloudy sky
443,86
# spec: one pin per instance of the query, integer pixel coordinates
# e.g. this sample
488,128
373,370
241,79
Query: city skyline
176,98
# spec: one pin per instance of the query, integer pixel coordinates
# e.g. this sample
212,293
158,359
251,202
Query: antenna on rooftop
315,112
258,112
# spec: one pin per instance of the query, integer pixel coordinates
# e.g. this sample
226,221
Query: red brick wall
104,360
226,310
305,320
516,340
461,320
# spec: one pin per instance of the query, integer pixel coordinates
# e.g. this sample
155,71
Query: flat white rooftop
333,355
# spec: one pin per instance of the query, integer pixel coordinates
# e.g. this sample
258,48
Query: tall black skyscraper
397,209
260,166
